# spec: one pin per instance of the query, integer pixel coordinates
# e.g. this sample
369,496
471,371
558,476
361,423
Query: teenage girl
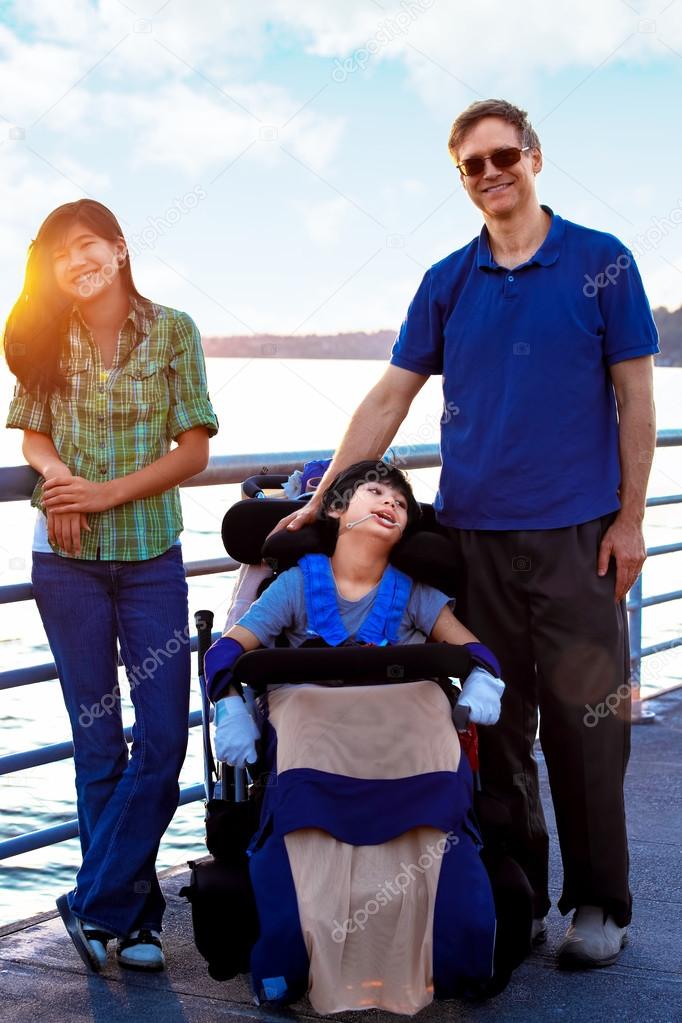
106,382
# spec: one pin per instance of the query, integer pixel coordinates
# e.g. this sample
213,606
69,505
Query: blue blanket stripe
366,812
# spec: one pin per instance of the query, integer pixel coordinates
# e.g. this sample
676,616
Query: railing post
639,716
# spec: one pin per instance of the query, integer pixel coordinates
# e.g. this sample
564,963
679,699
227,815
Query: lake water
263,405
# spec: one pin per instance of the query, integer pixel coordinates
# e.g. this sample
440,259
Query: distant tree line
670,330
377,345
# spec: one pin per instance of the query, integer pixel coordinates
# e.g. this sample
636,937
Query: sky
281,166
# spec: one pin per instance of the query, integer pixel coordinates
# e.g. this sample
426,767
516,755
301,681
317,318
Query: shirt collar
547,254
140,314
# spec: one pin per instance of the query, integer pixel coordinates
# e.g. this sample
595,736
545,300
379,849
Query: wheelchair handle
460,717
203,621
253,486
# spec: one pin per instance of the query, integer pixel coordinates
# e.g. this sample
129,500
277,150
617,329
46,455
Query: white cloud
467,52
330,29
168,80
150,117
472,43
174,89
180,126
34,75
176,127
69,21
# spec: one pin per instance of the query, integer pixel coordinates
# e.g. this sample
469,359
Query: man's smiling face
499,192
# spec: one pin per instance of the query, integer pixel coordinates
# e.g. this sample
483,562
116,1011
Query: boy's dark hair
283,549
338,495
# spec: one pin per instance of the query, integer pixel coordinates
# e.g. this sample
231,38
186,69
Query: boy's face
385,507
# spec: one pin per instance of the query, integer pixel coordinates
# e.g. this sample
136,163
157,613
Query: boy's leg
492,602
122,891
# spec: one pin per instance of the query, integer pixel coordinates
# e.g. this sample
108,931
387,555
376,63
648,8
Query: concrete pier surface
42,978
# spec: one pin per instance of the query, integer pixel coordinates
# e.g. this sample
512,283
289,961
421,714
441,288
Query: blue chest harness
380,627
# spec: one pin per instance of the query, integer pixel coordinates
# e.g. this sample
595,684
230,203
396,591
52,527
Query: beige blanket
366,912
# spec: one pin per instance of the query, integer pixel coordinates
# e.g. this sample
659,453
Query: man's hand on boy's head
305,516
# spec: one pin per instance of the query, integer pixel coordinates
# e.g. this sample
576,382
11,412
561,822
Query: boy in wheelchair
366,868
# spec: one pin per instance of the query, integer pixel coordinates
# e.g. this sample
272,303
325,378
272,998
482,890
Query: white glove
235,732
482,693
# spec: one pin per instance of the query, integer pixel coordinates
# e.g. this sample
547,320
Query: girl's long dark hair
35,327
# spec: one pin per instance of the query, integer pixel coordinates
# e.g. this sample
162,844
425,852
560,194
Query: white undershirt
40,541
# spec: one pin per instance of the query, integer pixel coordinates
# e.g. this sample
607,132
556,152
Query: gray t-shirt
281,608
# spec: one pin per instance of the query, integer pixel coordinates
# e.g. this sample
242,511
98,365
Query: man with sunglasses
546,447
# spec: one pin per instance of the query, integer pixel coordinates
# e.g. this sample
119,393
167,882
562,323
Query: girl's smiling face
86,265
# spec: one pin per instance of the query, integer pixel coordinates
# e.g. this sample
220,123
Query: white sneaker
592,939
141,950
538,931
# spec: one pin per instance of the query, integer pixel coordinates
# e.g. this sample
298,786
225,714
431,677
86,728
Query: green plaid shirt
107,423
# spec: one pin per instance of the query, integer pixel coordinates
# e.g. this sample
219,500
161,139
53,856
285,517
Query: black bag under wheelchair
224,916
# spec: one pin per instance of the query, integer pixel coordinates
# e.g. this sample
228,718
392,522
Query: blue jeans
125,802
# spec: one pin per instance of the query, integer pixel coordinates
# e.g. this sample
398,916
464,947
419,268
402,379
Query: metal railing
17,483
636,601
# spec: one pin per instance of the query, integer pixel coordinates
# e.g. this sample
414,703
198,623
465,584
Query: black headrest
247,523
426,555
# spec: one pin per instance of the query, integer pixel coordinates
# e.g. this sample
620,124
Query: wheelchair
225,907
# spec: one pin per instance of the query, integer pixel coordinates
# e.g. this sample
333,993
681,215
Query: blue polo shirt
529,432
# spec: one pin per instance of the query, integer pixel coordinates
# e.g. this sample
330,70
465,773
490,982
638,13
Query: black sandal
81,936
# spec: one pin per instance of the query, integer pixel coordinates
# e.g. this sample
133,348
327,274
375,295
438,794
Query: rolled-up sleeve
190,404
28,412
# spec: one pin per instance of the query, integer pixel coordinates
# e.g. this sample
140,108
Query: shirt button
102,470
100,419
101,390
510,278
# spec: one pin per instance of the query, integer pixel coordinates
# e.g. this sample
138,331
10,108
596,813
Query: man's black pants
534,597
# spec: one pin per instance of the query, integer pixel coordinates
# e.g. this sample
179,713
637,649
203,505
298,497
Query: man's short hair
491,108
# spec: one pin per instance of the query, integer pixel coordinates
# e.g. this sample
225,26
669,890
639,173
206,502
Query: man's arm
624,540
372,428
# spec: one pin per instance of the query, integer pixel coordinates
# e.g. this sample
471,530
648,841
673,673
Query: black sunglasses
502,158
